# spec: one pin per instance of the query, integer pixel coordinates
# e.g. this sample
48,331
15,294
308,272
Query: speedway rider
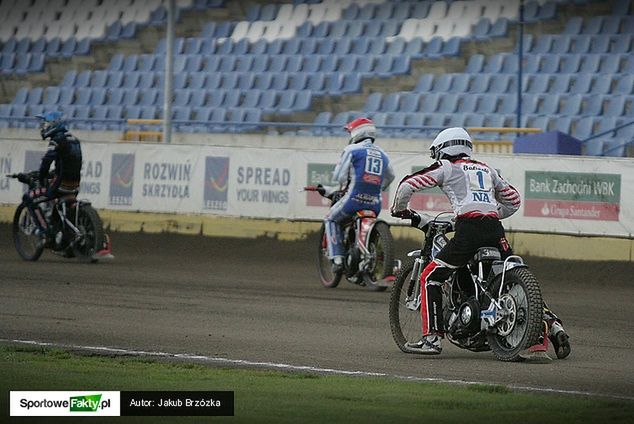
64,150
363,171
480,197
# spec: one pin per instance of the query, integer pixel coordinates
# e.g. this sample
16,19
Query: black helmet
51,124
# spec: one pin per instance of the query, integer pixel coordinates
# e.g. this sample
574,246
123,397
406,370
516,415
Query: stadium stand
282,62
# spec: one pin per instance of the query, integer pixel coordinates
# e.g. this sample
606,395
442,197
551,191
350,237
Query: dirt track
261,301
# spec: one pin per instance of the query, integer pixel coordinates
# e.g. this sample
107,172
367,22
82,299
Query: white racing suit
479,197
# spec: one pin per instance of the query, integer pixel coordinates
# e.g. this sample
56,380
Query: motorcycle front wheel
91,234
26,242
381,248
522,326
405,318
328,278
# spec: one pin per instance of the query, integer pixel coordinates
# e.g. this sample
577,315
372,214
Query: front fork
413,299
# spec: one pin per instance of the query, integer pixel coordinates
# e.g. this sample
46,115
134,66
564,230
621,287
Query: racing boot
428,345
560,339
337,264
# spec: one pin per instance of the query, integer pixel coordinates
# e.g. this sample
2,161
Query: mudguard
497,267
366,225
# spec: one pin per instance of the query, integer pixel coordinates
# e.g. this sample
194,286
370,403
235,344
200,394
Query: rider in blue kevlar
363,171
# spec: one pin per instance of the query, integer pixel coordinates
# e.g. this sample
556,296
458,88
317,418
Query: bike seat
366,214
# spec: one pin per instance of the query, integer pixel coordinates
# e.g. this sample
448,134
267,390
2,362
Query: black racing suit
64,151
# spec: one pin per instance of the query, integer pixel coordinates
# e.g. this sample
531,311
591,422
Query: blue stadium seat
82,96
583,128
390,102
494,64
442,83
460,83
448,103
280,81
600,44
600,85
53,47
351,83
590,106
51,96
229,81
115,96
263,81
563,44
20,96
260,64
500,28
479,83
434,48
573,26
548,104
468,104
615,106
475,64
501,83
325,46
544,44
409,102
181,97
215,98
429,102
98,96
570,63
114,79
131,97
227,64
193,45
146,80
303,101
231,99
132,112
396,46
580,83
149,97
571,104
129,64
268,100
373,102
488,103
415,48
625,84
580,43
560,83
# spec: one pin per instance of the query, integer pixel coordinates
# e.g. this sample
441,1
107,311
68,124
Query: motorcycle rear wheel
523,329
405,318
91,228
381,247
26,242
328,278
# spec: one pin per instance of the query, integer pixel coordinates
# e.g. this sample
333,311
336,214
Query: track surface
260,300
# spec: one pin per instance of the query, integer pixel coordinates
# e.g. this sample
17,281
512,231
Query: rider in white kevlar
480,197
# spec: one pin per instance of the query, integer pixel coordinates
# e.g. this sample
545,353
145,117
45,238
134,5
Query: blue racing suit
364,170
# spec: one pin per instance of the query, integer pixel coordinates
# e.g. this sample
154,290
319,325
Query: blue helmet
51,123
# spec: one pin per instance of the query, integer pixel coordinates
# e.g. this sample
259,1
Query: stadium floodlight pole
169,71
520,57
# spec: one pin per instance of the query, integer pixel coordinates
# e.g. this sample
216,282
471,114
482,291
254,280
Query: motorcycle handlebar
310,188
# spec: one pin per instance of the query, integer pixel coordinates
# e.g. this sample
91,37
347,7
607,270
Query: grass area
278,397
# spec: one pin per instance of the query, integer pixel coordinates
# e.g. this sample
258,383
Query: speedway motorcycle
488,304
75,226
369,258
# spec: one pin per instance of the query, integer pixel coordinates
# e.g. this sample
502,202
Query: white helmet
451,142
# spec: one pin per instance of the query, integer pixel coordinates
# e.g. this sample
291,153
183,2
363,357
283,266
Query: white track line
289,367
